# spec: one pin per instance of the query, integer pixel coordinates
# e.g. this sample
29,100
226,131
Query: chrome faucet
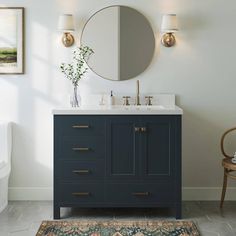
137,102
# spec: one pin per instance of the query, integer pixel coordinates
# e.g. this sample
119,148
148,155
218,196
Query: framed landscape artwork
11,40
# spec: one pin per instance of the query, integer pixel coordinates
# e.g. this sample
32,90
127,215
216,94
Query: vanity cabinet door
157,148
122,148
158,152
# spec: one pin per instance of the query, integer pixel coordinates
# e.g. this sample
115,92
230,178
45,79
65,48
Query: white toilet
5,161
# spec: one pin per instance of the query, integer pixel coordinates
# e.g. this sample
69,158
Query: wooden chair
229,167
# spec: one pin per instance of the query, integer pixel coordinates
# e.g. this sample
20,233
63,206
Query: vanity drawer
81,170
82,147
80,125
81,193
140,193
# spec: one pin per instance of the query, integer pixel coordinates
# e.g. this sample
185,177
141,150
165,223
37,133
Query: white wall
200,69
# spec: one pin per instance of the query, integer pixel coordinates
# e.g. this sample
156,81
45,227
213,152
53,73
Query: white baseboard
189,194
30,194
208,193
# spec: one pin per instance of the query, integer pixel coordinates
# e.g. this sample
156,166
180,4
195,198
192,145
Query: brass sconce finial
66,25
168,27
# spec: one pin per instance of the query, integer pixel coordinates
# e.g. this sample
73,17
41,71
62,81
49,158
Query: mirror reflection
123,42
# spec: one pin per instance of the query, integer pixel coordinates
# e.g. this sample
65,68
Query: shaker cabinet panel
80,125
121,148
135,194
158,148
86,147
77,171
81,193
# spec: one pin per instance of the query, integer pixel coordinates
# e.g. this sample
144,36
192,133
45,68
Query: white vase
75,99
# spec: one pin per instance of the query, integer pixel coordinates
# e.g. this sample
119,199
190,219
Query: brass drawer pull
141,194
80,149
80,126
81,194
81,171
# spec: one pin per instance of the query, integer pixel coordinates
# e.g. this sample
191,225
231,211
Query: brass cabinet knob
140,129
143,129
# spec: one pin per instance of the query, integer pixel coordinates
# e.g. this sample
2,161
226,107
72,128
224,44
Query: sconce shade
169,23
66,23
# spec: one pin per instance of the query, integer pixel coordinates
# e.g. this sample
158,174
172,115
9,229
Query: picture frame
12,40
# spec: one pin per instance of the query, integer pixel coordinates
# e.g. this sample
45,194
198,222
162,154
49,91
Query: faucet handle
149,100
126,100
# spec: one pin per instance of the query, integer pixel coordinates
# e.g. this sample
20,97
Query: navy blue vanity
117,161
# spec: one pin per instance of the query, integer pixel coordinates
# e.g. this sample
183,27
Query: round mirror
122,40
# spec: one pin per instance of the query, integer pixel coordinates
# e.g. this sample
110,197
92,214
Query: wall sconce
66,25
168,27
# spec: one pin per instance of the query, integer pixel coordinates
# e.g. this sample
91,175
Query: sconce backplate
67,39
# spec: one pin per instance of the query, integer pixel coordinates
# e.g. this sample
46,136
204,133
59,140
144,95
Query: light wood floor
24,217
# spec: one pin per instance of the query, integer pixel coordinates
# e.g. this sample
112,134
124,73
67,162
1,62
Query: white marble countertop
120,110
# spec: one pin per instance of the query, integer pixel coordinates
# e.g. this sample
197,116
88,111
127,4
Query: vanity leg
56,213
178,212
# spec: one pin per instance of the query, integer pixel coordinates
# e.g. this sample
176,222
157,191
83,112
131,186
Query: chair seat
226,163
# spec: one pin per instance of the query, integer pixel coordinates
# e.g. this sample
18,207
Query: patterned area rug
118,228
